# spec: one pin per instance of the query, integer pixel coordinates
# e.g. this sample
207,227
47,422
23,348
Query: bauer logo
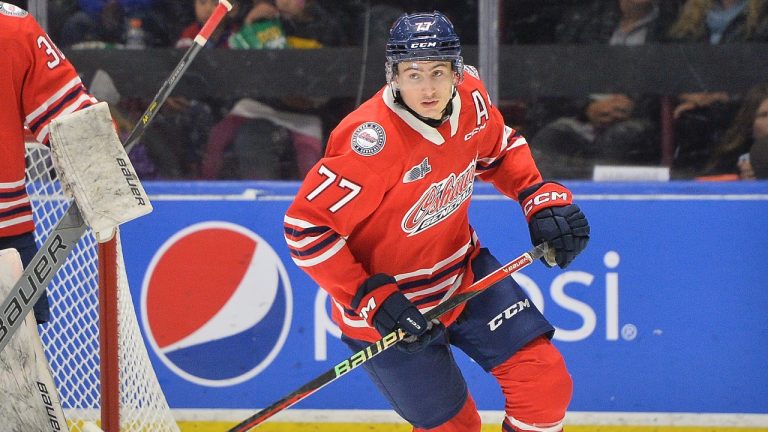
216,304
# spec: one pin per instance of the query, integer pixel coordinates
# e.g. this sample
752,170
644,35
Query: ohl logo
216,304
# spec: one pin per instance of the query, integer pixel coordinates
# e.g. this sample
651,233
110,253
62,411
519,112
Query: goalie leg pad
30,401
25,245
95,170
537,388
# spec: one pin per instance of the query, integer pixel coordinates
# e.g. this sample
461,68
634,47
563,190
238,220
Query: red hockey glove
554,219
385,308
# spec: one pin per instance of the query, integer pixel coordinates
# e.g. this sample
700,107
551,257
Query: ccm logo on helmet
423,44
544,198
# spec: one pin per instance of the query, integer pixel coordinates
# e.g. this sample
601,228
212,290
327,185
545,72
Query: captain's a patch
368,139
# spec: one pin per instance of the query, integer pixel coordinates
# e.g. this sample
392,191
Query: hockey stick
71,227
390,340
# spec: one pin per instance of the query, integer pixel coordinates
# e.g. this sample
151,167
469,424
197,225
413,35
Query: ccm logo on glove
553,219
550,194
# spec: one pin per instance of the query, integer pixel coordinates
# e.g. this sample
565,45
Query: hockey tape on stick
71,226
389,340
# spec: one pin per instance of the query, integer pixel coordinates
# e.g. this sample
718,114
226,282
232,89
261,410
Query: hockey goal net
93,342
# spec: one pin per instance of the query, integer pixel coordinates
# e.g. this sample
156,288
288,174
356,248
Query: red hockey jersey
37,84
391,196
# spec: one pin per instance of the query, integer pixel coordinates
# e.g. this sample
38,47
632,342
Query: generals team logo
368,139
439,201
216,304
11,10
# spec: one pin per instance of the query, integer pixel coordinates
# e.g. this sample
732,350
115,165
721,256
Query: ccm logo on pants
508,313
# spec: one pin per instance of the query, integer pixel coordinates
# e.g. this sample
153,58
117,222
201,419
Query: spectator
605,128
220,37
273,138
104,23
701,118
172,147
748,131
721,21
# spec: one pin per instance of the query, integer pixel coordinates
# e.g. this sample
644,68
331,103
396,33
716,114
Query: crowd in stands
716,134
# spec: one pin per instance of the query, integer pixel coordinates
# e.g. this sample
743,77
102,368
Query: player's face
426,86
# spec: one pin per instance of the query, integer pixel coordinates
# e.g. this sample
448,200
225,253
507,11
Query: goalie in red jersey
381,224
37,85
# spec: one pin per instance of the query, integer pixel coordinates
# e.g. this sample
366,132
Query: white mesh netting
71,338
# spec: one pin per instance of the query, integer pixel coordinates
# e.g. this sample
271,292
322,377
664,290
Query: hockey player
381,223
37,84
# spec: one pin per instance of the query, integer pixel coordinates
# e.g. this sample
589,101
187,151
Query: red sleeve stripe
310,244
81,102
53,99
62,103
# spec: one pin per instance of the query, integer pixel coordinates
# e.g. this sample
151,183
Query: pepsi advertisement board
665,311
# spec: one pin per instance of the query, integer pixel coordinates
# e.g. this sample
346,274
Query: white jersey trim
432,289
15,221
12,185
298,222
303,242
9,204
555,427
519,142
425,271
358,323
429,133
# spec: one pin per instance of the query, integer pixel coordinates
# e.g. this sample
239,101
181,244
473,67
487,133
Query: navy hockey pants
427,388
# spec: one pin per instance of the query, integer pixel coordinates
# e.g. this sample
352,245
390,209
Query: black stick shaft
170,83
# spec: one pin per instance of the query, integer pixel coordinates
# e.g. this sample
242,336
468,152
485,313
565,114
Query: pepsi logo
216,304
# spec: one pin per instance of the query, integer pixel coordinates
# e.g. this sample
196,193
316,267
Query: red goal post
93,342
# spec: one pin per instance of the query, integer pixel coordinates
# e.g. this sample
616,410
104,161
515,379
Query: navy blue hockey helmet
423,36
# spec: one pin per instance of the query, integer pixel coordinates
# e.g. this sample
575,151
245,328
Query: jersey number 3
330,179
51,50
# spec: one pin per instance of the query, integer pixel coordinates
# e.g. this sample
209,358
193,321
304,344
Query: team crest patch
12,10
368,139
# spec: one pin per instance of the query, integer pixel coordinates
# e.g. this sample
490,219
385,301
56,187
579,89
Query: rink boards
662,320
